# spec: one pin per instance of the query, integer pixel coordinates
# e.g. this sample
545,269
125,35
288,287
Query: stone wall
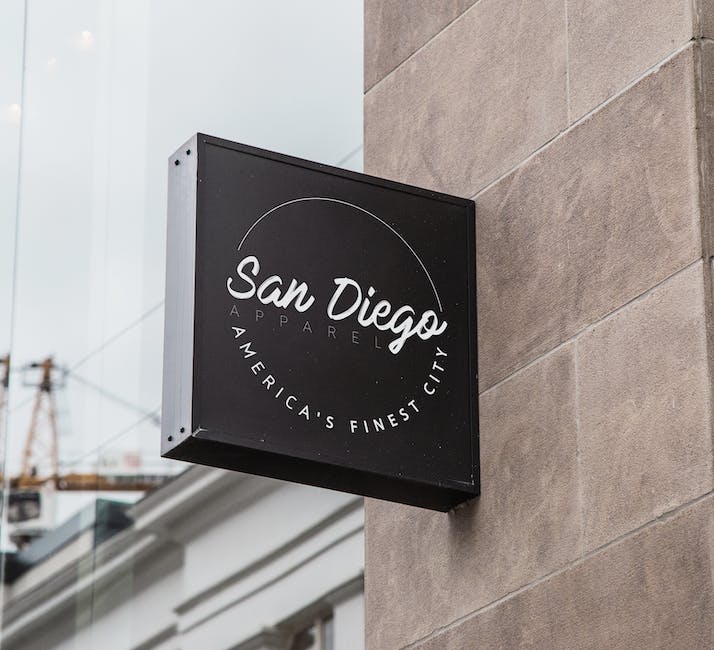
581,129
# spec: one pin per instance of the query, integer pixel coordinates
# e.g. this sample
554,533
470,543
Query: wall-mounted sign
320,326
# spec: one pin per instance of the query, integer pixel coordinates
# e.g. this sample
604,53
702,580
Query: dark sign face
320,326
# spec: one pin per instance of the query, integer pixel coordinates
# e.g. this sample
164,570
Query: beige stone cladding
583,129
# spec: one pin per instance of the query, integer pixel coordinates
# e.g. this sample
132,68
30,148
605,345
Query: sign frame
182,435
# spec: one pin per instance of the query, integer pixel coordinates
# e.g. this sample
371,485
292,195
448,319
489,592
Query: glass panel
11,72
107,90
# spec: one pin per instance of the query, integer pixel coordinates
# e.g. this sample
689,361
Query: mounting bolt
177,162
182,429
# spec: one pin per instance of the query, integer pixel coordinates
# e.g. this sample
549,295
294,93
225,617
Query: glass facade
94,97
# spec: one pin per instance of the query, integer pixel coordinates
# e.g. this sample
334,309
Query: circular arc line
352,205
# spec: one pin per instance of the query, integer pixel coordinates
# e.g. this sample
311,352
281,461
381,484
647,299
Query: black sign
320,326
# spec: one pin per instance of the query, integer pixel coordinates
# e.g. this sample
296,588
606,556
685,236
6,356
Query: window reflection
104,543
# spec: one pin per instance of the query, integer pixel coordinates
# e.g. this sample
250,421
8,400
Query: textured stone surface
643,387
611,43
394,29
425,569
596,218
652,590
706,131
474,101
706,17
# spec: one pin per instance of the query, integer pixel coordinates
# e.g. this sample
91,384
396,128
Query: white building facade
213,560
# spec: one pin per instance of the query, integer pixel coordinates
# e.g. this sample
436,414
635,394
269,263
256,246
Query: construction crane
32,494
37,449
40,457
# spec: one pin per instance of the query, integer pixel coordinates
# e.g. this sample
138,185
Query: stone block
611,43
394,29
474,101
424,569
652,590
644,409
599,216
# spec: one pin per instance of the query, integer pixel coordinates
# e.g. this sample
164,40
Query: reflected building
211,559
